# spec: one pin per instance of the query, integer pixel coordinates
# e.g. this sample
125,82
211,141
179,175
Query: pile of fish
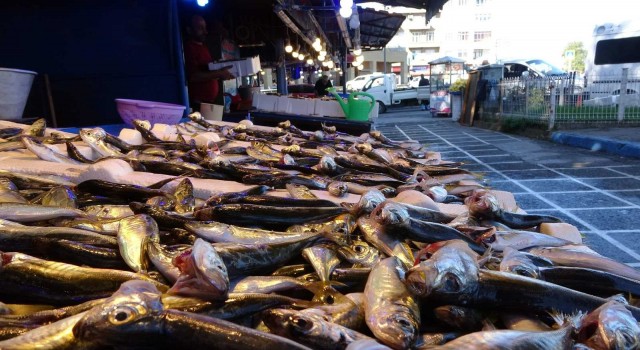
98,264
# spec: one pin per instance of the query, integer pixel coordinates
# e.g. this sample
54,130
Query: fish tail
567,320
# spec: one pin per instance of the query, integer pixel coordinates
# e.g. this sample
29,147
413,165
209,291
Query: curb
602,144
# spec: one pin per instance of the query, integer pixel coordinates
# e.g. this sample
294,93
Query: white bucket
211,111
15,85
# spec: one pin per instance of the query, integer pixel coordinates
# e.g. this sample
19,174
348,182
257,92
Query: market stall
443,72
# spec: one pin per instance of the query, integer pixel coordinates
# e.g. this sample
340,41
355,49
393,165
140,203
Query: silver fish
95,138
30,213
218,232
203,273
610,326
108,211
134,234
185,201
300,191
46,153
60,196
391,312
323,258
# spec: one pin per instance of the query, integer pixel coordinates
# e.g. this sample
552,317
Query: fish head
285,124
360,253
37,128
291,149
93,135
338,188
364,147
327,163
452,273
482,204
7,185
203,273
142,124
277,320
129,311
391,213
396,329
369,201
610,326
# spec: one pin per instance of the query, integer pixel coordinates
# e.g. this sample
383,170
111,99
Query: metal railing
562,102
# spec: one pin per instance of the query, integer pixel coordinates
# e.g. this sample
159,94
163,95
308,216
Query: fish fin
619,298
564,320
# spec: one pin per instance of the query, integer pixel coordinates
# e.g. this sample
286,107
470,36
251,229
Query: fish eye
301,324
329,299
358,249
451,283
122,314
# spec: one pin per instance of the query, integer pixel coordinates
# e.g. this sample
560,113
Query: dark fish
482,205
267,216
129,192
74,153
460,317
164,219
300,192
25,279
224,197
610,326
590,281
144,128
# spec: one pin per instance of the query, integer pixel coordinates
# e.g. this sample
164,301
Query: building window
481,2
418,36
483,17
462,2
480,36
462,54
463,36
477,53
448,37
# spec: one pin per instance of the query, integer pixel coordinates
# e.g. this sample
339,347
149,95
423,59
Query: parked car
533,67
358,83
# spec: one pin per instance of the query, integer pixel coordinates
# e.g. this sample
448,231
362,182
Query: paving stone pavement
597,192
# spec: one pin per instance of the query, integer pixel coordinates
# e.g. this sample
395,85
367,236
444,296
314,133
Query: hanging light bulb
361,67
301,57
203,2
323,53
357,51
330,64
317,46
345,12
309,61
288,48
346,3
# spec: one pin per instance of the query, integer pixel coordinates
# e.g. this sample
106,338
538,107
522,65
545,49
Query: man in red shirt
202,83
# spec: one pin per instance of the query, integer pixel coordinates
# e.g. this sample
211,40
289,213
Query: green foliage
516,125
458,85
580,55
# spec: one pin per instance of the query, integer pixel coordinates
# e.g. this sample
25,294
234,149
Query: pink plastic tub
154,112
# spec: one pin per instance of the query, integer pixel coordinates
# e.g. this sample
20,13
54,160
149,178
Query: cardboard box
239,68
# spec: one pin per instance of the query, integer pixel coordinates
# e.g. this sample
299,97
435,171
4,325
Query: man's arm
200,76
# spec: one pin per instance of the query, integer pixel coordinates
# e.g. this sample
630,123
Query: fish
382,239
338,188
521,263
162,257
26,279
54,336
360,254
217,232
391,311
610,326
60,196
267,216
323,258
390,212
127,192
453,277
484,205
185,200
590,281
511,339
247,259
46,153
134,234
107,212
309,330
203,273
367,203
300,192
122,321
27,181
144,127
21,212
223,197
576,258
460,317
520,240
95,138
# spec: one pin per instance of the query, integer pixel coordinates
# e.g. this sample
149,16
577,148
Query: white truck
387,93
614,47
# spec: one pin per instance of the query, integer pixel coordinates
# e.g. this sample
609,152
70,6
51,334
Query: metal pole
384,54
281,69
343,64
622,99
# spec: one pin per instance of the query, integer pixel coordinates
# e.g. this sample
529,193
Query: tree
574,56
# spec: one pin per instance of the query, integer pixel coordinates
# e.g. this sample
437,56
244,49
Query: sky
543,28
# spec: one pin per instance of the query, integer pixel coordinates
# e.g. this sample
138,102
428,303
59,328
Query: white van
614,46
